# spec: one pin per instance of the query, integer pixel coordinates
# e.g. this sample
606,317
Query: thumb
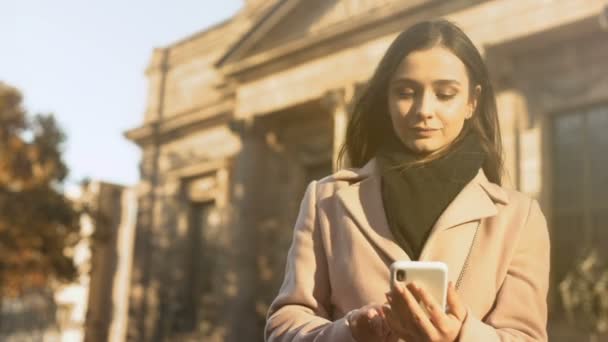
455,305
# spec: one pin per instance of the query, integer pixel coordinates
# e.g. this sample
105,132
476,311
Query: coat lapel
452,236
363,201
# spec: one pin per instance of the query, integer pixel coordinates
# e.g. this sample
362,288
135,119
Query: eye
405,93
444,96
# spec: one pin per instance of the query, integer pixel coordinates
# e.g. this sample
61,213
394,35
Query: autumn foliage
38,224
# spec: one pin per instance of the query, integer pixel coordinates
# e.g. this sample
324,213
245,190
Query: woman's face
429,99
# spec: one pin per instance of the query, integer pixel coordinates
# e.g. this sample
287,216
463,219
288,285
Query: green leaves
37,222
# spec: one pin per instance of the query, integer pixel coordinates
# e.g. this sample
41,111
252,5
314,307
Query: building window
196,273
580,185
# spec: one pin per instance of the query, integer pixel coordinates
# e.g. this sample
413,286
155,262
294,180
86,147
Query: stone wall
233,133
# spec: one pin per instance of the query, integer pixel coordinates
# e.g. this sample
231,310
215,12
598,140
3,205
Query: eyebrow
436,82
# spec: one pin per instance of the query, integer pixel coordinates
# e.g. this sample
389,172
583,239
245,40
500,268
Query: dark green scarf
414,197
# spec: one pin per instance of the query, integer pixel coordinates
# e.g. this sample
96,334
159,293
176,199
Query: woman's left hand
406,318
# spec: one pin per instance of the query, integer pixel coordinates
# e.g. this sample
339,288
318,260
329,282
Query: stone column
512,116
247,190
106,200
514,119
138,328
144,292
338,102
166,257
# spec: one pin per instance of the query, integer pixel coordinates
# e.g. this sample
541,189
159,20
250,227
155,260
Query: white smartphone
432,276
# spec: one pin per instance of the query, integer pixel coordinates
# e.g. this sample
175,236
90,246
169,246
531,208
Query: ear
474,100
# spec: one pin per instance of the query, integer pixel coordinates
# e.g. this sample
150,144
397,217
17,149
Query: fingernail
415,286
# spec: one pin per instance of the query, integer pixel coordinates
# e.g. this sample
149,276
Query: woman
425,143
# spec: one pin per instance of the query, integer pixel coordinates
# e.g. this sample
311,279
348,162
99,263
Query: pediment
294,20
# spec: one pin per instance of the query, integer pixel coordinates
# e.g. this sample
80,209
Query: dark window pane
597,128
568,139
600,230
567,238
195,277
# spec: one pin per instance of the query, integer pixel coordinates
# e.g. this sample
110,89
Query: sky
84,61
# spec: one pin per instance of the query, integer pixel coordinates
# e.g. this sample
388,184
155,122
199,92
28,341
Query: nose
426,105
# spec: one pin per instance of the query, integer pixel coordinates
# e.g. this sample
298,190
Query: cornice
209,40
358,22
210,44
275,13
194,118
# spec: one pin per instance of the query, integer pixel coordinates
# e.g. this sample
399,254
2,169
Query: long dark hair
370,122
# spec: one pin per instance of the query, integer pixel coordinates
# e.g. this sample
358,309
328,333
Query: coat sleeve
520,310
301,310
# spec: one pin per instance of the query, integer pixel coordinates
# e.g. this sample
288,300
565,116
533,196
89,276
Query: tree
584,294
38,224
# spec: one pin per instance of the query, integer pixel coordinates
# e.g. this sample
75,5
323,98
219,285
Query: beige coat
494,241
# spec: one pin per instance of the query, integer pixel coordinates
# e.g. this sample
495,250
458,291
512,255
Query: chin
425,147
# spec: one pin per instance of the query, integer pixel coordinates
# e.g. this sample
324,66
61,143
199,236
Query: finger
382,312
455,305
360,318
381,309
353,320
418,315
389,296
393,322
437,317
377,324
371,313
386,309
385,328
401,314
399,304
374,320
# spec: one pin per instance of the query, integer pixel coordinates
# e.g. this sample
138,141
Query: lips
424,131
417,128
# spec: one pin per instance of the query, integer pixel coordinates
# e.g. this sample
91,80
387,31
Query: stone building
93,307
241,116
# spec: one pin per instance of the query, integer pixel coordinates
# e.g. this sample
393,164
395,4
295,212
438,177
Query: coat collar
363,200
370,170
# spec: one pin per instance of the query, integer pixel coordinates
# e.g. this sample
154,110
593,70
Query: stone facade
242,116
106,255
94,307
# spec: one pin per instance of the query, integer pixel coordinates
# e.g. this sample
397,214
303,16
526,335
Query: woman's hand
368,324
406,318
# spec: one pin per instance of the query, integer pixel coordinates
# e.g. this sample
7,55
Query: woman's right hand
368,324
